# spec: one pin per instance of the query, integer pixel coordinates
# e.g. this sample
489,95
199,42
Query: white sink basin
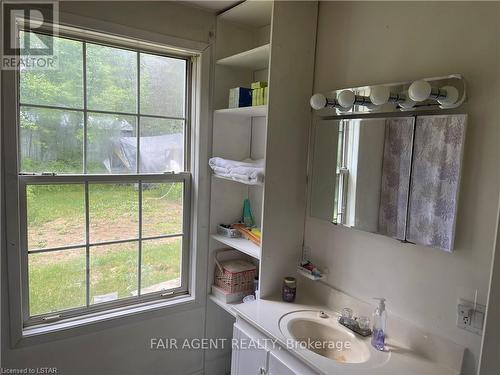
309,333
328,341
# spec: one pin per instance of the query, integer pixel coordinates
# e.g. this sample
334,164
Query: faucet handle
364,322
347,313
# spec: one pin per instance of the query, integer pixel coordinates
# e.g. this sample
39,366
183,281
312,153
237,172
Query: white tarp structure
162,153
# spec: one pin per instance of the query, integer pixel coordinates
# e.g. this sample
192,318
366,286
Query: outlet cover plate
470,317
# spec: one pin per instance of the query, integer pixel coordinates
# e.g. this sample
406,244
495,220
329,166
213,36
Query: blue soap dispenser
379,325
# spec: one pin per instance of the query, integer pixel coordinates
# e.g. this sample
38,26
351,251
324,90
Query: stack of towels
247,171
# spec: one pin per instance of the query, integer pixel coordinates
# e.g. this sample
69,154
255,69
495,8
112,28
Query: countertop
265,316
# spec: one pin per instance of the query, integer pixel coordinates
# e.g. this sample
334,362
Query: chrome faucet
359,325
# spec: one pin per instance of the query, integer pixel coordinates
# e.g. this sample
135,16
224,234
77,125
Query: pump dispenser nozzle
381,303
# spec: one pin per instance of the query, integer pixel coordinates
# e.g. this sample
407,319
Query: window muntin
113,201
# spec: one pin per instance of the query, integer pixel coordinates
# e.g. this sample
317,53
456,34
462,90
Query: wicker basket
235,275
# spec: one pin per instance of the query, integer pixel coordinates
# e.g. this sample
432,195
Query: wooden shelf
254,59
240,244
225,306
252,111
237,181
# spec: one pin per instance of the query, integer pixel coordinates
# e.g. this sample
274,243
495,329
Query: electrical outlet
470,316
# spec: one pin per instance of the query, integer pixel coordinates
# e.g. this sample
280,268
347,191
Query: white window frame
199,55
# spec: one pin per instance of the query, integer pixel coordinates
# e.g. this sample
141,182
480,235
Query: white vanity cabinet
281,362
256,354
249,355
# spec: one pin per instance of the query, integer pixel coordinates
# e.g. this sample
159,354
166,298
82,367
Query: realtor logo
23,44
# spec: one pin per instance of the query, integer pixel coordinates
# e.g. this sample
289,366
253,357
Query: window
104,181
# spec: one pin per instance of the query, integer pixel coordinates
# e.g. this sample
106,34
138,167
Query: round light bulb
408,103
419,91
318,101
379,95
451,96
346,98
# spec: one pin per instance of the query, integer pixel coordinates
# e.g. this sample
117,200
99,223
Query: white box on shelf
227,297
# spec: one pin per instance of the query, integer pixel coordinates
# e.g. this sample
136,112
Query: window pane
55,215
111,143
161,208
113,212
162,145
51,140
111,79
113,271
56,280
161,264
163,81
59,87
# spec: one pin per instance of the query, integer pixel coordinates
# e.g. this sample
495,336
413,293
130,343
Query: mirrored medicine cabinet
395,176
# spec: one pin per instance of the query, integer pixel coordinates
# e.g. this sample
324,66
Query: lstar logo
25,26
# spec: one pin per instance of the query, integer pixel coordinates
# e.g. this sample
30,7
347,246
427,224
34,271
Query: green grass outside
57,279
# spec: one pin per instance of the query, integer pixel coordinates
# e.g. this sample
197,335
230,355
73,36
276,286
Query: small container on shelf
235,275
256,287
259,93
227,231
228,297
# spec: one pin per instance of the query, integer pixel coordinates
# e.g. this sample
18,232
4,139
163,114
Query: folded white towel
227,163
248,170
251,172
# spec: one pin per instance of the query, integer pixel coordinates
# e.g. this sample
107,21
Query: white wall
363,43
164,17
124,347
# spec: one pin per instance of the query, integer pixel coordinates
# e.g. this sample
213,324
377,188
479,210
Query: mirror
361,173
397,176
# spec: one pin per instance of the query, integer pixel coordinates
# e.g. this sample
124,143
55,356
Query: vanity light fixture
421,90
380,95
423,94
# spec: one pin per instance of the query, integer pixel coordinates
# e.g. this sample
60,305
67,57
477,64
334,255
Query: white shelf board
240,244
225,306
251,111
255,59
237,181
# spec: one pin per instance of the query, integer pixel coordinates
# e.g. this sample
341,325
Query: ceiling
215,6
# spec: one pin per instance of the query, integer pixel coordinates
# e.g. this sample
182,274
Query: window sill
97,321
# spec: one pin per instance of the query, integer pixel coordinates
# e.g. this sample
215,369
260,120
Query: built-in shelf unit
241,57
276,132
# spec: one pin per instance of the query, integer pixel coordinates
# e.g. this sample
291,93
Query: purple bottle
379,325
